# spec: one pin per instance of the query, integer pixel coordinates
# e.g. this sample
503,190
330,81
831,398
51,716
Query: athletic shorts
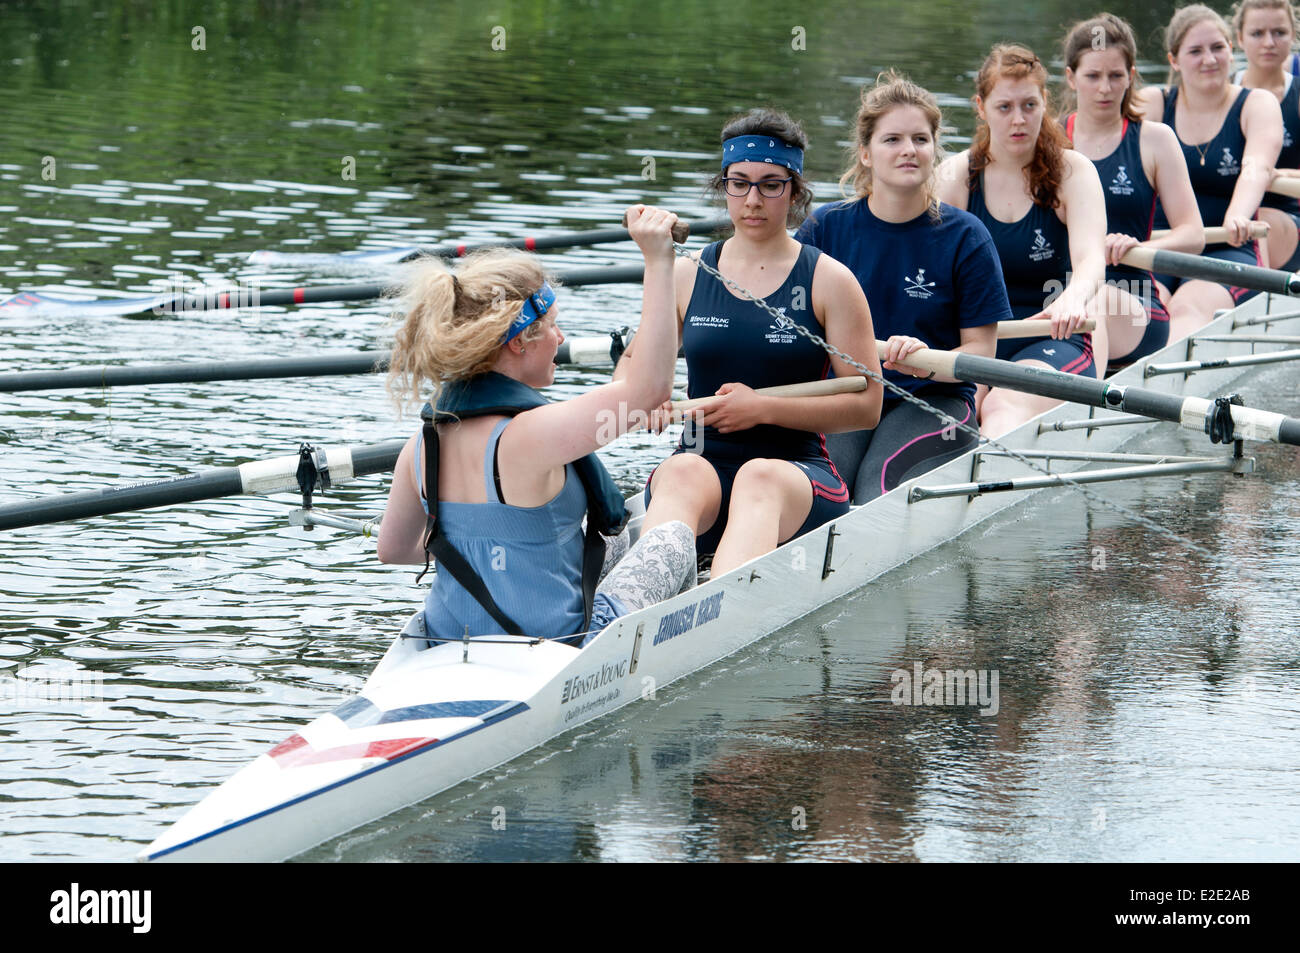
1245,255
830,496
907,442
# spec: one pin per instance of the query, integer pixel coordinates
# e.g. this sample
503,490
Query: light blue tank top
530,558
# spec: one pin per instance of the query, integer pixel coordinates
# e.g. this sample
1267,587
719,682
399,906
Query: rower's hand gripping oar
1195,413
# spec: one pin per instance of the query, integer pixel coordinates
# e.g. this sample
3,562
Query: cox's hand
1118,245
896,350
734,407
652,230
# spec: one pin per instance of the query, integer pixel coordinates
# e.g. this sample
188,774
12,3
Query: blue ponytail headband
762,149
535,305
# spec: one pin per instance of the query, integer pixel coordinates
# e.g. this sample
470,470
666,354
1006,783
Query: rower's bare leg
1282,237
769,502
1193,305
1005,409
684,487
1125,319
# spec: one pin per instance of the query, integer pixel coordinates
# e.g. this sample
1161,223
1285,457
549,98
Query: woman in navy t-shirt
930,274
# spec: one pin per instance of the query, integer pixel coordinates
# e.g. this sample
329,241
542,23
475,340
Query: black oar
1221,421
28,302
586,350
264,476
1214,269
595,236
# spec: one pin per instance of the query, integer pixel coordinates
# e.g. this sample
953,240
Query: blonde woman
1230,139
497,485
930,273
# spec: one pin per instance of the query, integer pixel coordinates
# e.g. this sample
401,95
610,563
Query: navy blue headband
535,305
762,149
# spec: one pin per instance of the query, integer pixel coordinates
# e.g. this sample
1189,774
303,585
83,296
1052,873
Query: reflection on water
1146,708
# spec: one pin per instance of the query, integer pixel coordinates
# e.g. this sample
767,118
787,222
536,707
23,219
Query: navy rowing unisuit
1214,167
1131,210
1035,257
728,339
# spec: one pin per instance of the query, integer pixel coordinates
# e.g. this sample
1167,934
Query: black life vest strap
448,557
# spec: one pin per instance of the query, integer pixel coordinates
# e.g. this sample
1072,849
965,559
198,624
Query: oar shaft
1190,412
1213,269
266,476
594,236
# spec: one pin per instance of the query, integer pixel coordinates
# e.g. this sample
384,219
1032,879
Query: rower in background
1042,203
497,485
1136,161
931,276
1266,30
1230,139
752,470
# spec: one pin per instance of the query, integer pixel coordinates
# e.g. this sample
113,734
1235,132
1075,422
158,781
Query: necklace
1202,151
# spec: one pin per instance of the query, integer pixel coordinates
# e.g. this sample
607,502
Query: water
1147,709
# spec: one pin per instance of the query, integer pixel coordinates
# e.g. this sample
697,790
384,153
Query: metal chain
952,422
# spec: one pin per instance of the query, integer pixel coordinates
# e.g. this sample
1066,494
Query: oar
831,385
280,474
1217,234
264,476
1213,269
585,351
1029,328
595,236
1286,185
29,302
1194,413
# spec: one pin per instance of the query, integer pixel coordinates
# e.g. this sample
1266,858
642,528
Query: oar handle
832,385
930,359
1217,234
1035,328
1286,185
681,230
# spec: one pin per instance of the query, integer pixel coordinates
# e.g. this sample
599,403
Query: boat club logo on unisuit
946,687
75,906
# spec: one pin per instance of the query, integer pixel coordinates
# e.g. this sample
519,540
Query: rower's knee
764,480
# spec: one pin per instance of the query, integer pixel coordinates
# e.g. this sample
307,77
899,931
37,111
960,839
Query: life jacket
494,394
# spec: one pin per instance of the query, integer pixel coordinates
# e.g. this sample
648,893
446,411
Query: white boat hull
427,720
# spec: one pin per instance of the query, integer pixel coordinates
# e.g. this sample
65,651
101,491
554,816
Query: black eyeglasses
768,188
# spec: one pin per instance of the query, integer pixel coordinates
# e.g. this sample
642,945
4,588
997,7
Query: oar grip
832,385
1139,257
1036,327
928,359
681,230
1286,185
1217,234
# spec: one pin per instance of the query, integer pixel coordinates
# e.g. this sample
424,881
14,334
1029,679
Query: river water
1147,705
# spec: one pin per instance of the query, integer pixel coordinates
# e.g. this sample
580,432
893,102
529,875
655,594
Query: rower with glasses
752,470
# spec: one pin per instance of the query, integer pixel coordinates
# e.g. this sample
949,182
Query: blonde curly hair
454,323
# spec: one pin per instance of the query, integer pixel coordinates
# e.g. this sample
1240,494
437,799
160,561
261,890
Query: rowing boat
431,716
